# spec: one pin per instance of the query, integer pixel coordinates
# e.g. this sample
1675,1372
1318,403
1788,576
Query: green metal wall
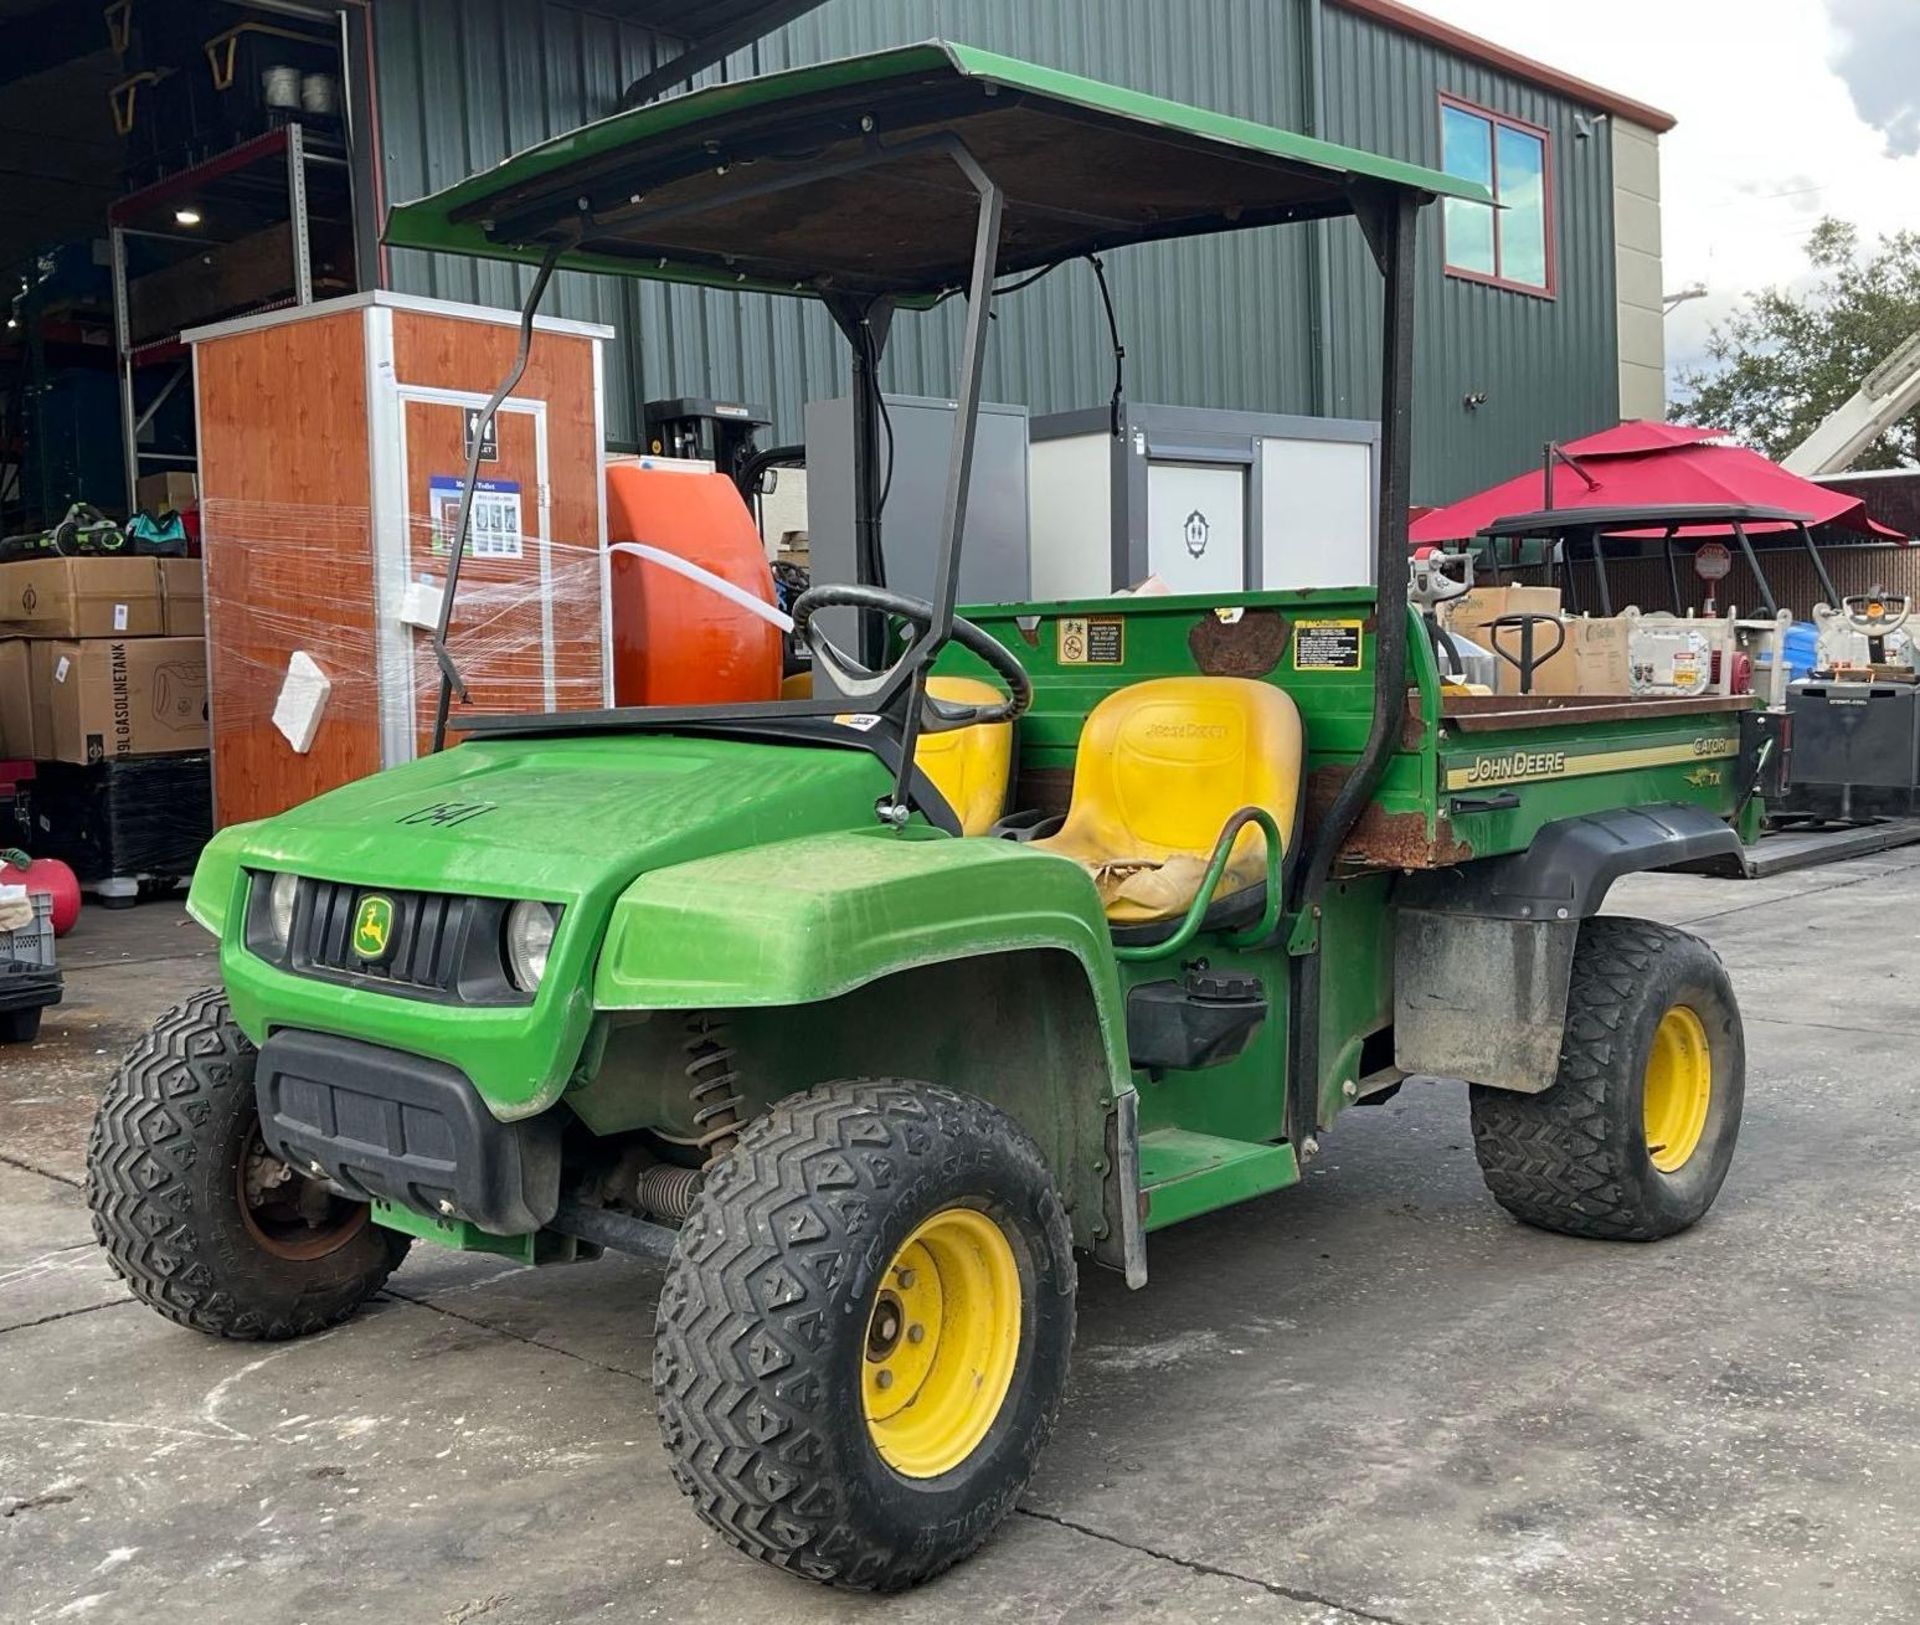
1548,367
1233,322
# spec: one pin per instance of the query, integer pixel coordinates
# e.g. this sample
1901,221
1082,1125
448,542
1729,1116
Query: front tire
863,1339
1633,1139
197,1218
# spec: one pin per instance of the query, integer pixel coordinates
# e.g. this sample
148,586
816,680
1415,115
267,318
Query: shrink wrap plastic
288,579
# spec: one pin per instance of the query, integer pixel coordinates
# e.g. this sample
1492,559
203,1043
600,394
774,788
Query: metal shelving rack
296,153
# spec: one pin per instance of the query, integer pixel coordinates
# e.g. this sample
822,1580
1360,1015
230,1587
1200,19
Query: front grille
426,946
441,948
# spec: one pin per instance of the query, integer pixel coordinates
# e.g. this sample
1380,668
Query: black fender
1573,862
1483,953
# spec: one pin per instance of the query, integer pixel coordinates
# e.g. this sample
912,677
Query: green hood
564,819
571,821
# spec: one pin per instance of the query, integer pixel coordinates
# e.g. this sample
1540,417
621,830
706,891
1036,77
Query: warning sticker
1326,645
1097,640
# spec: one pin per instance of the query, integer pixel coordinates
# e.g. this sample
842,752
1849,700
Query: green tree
1785,358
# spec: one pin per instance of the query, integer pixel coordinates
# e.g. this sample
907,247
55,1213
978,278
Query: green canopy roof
694,188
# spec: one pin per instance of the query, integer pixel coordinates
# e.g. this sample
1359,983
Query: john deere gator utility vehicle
775,994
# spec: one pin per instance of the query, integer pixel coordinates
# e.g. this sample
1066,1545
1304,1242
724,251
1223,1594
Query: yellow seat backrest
970,767
1162,765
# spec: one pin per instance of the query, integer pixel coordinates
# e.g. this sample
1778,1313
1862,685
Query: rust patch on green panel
1383,839
1252,646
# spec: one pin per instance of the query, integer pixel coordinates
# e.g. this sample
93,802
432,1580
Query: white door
1316,518
1197,526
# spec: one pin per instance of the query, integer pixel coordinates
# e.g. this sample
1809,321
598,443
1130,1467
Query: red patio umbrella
1645,464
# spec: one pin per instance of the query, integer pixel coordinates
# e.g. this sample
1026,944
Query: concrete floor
1374,1397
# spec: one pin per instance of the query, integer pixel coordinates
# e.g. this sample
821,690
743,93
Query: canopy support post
1388,218
1832,592
866,324
968,375
1753,564
1673,570
1600,572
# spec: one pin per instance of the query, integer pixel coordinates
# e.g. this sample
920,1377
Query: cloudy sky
1788,110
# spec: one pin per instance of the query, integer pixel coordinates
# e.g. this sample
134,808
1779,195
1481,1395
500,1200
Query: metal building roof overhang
839,178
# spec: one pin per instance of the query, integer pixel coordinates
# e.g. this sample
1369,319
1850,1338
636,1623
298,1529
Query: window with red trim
1510,246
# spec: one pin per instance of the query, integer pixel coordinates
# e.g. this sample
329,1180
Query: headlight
529,940
280,898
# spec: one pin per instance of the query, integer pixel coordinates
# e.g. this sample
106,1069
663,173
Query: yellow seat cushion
1161,766
970,767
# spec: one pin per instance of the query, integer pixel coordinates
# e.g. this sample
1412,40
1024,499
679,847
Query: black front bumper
383,1125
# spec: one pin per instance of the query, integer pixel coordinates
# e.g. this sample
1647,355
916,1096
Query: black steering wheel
856,681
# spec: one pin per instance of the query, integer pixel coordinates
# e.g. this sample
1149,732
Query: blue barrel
1801,645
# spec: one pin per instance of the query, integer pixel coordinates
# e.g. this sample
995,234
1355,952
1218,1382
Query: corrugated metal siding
1548,366
1226,322
1219,323
465,83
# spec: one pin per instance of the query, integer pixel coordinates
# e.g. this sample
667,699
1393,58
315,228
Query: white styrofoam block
420,604
302,701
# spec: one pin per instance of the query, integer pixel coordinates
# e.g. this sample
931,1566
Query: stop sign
1712,561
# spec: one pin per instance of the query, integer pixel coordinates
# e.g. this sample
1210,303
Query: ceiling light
186,217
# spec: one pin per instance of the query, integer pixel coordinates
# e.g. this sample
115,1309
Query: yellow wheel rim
942,1340
1679,1089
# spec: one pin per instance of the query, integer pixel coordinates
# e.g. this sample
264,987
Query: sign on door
495,530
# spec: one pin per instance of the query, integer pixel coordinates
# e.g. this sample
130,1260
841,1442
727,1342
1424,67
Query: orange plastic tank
676,642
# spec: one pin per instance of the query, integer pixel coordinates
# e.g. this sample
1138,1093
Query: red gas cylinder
675,641
47,875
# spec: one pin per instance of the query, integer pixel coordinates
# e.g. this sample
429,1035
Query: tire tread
1548,1159
741,1406
151,1127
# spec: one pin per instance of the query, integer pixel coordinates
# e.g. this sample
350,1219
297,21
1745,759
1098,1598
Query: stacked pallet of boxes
103,683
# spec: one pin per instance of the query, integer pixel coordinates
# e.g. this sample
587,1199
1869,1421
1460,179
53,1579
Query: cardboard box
183,597
40,697
81,598
1468,615
16,701
114,697
158,493
1593,660
1599,647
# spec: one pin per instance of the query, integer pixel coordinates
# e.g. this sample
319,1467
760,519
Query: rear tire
861,1240
193,1219
1587,1156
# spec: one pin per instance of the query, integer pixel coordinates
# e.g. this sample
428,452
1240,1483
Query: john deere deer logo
373,926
